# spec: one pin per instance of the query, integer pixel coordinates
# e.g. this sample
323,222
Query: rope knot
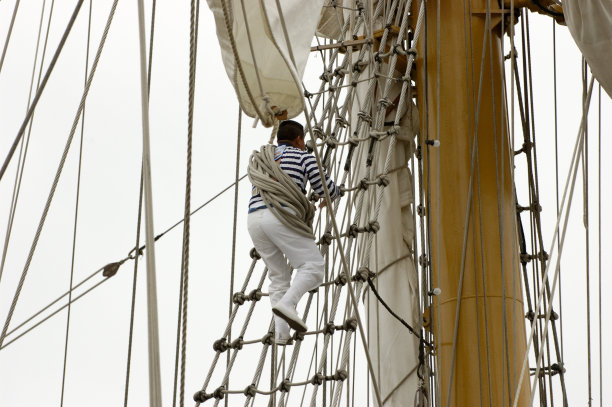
201,396
364,184
317,131
239,298
317,379
237,344
385,102
254,255
342,122
219,393
365,116
331,142
220,345
284,386
353,230
250,390
340,375
383,181
374,226
341,279
350,325
330,328
362,274
255,295
268,339
326,239
326,76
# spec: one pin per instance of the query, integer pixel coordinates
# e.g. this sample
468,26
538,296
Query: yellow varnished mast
478,319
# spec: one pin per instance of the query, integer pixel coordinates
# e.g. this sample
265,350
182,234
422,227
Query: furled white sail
265,69
590,23
393,349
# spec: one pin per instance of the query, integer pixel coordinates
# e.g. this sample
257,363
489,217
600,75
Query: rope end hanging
274,131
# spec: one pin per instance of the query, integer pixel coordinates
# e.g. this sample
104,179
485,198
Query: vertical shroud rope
152,325
76,216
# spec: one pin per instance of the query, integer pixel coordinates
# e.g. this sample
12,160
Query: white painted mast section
153,330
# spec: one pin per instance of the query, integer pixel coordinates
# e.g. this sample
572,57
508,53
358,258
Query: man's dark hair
289,130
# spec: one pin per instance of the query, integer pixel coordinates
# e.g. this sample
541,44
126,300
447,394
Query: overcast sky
31,368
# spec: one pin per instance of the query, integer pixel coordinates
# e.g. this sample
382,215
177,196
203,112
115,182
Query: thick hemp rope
280,193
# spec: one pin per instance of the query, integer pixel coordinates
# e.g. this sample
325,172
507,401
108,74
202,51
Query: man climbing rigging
280,222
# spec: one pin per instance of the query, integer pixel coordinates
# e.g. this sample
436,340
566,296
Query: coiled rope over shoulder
279,192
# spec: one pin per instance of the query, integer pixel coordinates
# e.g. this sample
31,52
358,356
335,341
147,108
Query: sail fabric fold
590,23
265,69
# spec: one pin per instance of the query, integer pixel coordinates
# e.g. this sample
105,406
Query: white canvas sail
590,23
266,70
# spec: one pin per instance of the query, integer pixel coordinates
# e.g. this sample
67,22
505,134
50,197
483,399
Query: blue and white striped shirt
301,167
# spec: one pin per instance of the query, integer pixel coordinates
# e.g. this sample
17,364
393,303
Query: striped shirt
301,167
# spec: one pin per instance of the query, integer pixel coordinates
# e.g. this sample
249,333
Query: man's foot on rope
282,340
290,315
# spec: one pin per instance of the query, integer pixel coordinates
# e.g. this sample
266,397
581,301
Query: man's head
292,132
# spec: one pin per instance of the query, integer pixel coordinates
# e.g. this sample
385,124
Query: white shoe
290,315
282,340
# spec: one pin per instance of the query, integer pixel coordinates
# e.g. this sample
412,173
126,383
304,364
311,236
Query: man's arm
315,179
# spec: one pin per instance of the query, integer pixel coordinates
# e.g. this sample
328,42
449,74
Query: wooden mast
478,265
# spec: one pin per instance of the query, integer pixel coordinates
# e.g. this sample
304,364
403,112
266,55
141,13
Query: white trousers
276,243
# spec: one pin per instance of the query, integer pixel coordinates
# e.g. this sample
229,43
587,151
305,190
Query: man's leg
278,270
303,255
